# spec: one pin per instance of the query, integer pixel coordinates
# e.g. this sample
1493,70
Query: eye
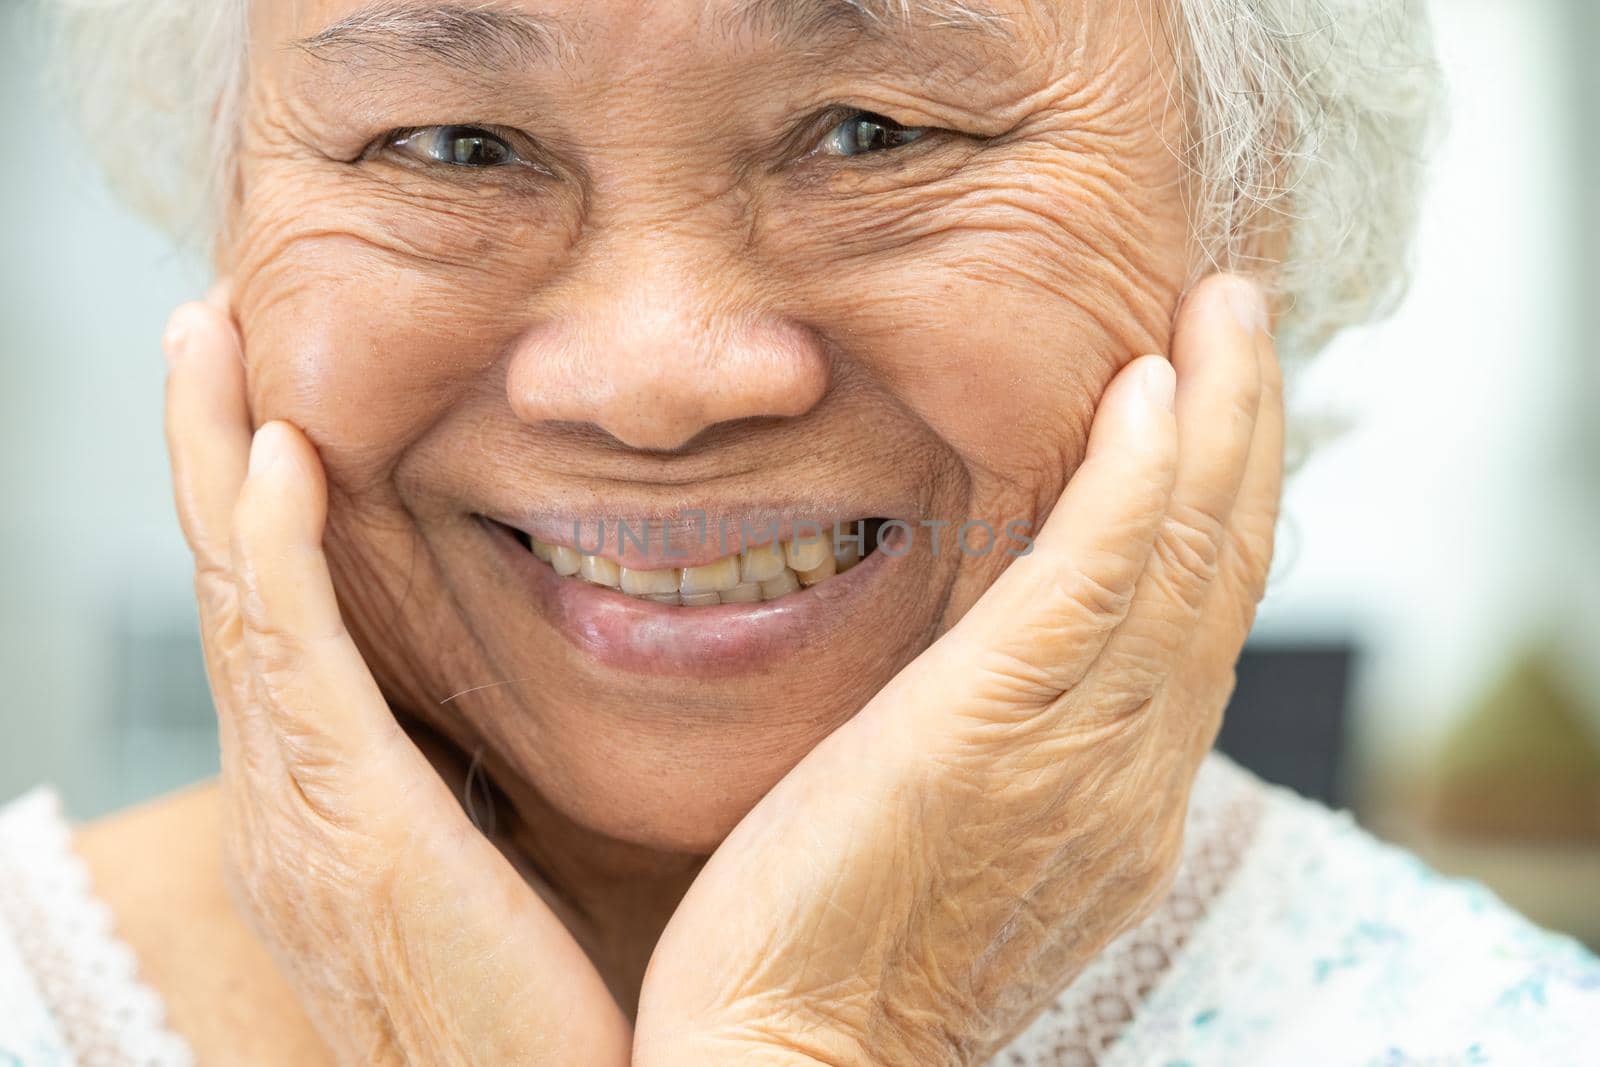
456,146
864,131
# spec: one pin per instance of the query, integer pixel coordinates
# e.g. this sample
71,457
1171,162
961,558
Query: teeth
766,572
601,571
782,585
824,570
712,578
743,593
649,583
762,564
806,554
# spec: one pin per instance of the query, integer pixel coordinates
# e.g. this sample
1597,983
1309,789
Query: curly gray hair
1310,119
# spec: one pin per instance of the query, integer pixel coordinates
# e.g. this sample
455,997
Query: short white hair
1308,118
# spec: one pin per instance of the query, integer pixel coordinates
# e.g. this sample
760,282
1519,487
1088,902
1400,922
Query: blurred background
1428,654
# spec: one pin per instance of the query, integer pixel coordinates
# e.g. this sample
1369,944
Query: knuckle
317,773
214,589
1251,557
1188,551
1095,598
279,654
1123,699
252,600
1199,528
1006,681
314,761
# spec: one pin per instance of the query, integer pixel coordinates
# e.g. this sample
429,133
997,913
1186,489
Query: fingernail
1160,380
266,449
218,296
1249,306
176,336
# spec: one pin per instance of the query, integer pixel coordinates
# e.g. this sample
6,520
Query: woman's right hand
407,935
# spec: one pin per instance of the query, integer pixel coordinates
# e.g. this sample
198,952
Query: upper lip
689,537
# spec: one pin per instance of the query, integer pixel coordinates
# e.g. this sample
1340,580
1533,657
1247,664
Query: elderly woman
723,529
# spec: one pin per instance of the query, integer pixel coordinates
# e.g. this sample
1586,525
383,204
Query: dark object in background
1286,721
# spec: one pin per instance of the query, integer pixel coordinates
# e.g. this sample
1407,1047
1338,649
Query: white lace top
69,990
1291,938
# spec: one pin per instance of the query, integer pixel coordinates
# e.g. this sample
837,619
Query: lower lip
644,637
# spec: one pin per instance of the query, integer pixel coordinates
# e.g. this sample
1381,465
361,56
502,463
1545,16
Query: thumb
1036,631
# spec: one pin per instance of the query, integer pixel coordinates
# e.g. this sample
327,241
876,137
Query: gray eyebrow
485,35
465,34
799,19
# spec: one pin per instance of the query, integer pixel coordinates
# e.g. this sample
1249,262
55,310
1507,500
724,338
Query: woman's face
672,276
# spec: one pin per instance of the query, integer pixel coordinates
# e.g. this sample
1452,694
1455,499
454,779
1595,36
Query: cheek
368,315
998,304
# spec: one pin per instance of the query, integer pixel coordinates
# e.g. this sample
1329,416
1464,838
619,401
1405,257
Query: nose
655,357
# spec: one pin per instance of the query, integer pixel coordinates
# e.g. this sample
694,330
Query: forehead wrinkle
476,34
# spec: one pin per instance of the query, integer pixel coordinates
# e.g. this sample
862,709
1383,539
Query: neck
615,897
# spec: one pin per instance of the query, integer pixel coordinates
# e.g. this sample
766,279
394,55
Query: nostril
653,431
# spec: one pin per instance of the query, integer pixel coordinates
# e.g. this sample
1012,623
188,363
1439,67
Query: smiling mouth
752,575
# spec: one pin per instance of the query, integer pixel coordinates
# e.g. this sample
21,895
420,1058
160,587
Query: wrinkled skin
436,337
688,308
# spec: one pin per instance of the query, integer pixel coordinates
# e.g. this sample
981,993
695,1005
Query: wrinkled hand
408,936
932,874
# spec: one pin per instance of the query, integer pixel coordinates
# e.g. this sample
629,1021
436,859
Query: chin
669,712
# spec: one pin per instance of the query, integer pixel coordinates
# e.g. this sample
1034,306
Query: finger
333,727
1242,570
1215,352
1034,634
208,431
1252,528
1252,531
1219,395
207,428
378,812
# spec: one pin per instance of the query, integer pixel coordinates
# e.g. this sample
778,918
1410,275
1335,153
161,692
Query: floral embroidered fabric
1292,936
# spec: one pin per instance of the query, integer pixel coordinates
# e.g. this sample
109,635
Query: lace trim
1086,1022
87,977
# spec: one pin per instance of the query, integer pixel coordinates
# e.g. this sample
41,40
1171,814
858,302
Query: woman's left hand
932,874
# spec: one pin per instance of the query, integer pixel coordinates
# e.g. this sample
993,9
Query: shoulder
154,872
1294,936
